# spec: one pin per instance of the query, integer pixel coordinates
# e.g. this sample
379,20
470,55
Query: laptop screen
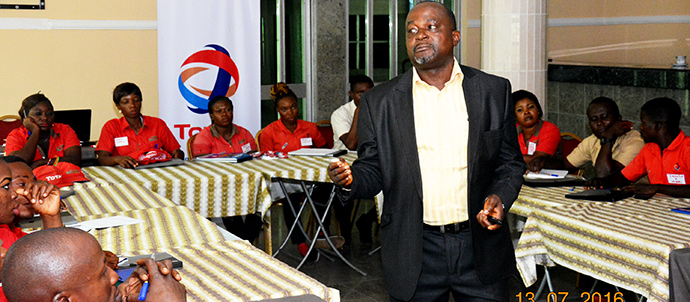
78,119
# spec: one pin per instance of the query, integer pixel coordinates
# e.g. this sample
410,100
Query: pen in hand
145,287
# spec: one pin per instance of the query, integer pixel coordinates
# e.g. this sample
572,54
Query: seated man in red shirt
222,136
665,158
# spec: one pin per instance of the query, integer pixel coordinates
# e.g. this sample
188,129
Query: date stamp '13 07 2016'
561,296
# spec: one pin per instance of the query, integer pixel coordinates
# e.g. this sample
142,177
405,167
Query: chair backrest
569,142
326,131
7,124
190,141
256,139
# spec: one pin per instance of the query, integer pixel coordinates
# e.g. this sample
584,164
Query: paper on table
546,174
106,222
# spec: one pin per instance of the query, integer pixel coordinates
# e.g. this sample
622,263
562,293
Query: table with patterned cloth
94,198
162,229
237,271
212,189
542,197
626,243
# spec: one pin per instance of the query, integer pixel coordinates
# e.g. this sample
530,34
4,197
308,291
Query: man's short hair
360,78
608,102
449,12
35,267
663,110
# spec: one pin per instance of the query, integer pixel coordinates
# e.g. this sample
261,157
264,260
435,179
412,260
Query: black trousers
448,268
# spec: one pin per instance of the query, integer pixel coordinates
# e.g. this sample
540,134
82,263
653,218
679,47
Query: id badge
121,141
306,142
676,179
246,148
531,147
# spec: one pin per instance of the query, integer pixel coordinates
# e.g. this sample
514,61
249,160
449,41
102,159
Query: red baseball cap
63,174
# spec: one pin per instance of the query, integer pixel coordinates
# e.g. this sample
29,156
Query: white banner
208,48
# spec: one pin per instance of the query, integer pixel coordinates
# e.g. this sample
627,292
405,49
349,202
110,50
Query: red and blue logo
205,74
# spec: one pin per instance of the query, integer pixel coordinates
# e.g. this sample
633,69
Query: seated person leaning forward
289,133
612,146
71,266
123,138
538,139
43,198
665,158
40,141
222,136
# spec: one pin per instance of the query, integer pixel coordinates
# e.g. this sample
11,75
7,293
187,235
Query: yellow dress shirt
442,127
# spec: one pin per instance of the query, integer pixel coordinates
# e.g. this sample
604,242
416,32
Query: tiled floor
355,287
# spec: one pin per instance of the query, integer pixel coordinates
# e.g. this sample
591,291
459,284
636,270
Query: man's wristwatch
604,141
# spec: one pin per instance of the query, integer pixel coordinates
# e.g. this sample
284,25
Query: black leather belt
452,228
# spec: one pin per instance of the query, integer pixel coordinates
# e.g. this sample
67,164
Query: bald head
41,265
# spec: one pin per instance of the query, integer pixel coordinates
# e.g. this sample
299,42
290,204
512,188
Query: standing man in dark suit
440,141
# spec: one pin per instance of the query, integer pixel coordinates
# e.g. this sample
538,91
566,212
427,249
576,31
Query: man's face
601,118
647,128
8,195
92,280
21,175
430,36
359,89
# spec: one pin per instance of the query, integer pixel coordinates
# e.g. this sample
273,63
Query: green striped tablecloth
531,199
216,189
626,243
163,228
211,189
237,271
94,198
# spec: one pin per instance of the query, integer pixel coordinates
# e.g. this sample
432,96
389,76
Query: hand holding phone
494,220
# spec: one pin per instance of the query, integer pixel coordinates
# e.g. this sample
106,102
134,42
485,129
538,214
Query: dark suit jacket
388,161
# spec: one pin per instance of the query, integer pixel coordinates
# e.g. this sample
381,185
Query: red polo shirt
9,236
546,138
670,168
209,141
118,138
275,137
61,138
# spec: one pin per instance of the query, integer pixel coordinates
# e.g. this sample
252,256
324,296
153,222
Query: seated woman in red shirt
222,136
39,140
122,138
288,133
538,139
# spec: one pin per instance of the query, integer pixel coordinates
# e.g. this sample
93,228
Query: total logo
205,74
